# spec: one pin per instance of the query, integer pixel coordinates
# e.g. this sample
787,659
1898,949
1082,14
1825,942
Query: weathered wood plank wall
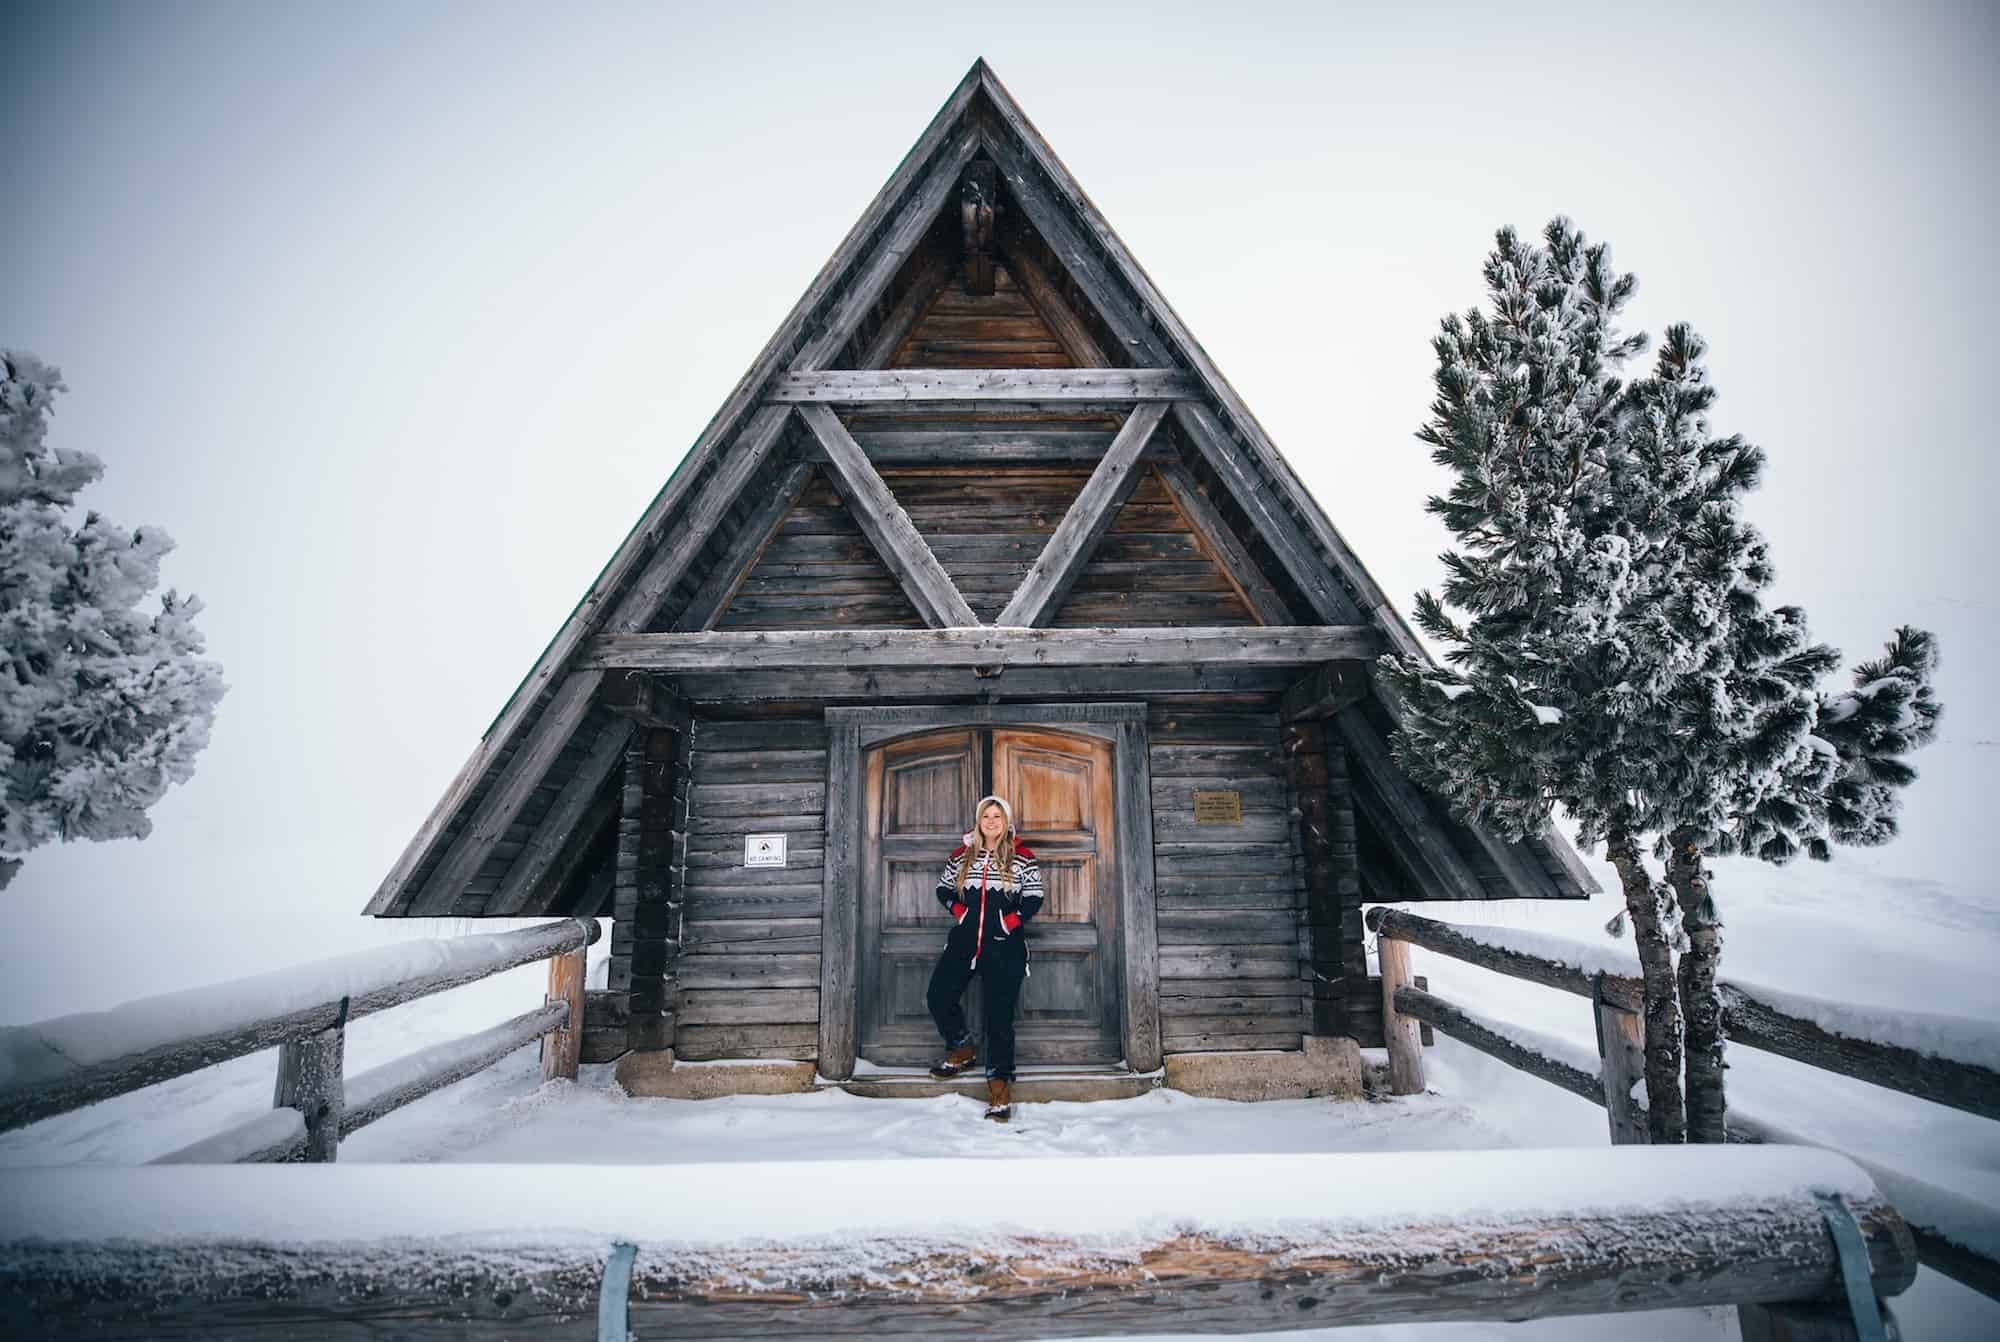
997,330
1228,895
646,896
749,974
986,525
819,571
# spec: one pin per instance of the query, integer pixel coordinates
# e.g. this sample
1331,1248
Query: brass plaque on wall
1218,808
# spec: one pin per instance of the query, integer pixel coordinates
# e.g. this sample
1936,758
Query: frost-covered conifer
102,705
1618,657
1559,681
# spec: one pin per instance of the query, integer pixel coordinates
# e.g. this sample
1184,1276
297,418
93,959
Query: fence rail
64,1064
1953,1234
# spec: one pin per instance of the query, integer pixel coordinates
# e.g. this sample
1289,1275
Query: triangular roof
530,807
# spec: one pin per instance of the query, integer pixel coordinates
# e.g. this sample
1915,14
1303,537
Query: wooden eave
549,756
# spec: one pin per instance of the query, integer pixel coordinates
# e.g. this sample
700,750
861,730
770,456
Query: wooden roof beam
1090,514
888,528
984,646
980,385
548,860
902,319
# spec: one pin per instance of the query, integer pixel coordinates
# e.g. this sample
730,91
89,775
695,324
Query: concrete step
1032,1085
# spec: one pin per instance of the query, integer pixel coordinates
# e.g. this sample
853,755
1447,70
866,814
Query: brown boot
999,1100
956,1061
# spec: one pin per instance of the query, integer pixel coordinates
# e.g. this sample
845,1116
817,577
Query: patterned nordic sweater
991,909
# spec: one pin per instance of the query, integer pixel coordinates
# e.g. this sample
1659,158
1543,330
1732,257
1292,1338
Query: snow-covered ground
1844,929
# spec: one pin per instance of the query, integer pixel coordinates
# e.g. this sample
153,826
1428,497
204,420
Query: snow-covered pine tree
1745,712
1819,768
102,705
1557,687
1755,771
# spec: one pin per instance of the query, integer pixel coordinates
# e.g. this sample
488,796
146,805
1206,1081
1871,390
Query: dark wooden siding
996,330
988,525
1228,895
1150,570
749,967
819,572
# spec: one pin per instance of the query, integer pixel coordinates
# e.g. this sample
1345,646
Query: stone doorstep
1031,1085
1322,1067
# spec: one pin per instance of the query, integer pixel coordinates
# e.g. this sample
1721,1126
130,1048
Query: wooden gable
829,494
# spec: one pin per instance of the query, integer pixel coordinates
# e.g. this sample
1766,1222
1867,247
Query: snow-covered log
1950,1060
1102,1247
72,1061
1553,962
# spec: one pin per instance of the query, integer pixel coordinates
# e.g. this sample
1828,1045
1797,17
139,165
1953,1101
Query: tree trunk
1645,901
1701,1005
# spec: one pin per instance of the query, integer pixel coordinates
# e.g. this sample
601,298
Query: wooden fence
303,1012
1952,1232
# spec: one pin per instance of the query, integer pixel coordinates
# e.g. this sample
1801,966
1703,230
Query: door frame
850,731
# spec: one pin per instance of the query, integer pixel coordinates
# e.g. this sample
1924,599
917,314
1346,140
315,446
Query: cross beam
1063,559
866,386
984,646
888,528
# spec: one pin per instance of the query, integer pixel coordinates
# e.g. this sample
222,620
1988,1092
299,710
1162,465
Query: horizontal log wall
749,968
819,572
986,525
966,330
1172,582
1227,895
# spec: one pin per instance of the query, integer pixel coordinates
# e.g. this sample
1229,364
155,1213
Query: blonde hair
1003,852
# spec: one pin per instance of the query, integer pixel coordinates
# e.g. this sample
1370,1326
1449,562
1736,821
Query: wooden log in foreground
1180,1244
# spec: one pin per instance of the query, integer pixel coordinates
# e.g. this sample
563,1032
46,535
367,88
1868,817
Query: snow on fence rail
63,1064
1948,1059
1112,1245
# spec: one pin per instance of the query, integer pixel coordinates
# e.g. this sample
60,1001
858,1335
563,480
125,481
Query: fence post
1621,1044
560,1048
312,1079
1406,1051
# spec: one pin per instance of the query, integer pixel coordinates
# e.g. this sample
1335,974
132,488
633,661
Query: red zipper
979,937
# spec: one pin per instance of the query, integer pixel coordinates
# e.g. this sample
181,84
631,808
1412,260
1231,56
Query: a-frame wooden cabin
981,517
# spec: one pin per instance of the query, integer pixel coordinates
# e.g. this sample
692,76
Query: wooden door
917,796
1060,788
917,800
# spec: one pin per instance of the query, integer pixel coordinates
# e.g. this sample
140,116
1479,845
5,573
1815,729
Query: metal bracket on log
614,1297
978,196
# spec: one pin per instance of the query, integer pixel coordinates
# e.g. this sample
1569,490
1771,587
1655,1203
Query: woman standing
992,887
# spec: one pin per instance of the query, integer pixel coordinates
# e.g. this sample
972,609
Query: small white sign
763,850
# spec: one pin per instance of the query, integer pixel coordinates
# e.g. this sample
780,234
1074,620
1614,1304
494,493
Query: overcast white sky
397,319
